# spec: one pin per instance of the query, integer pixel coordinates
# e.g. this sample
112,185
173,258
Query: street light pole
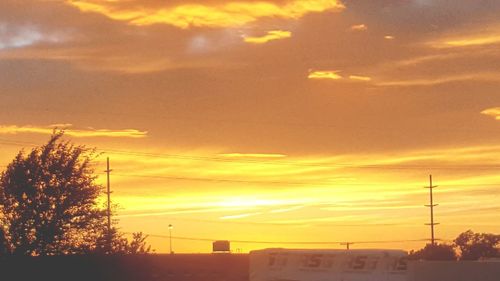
170,226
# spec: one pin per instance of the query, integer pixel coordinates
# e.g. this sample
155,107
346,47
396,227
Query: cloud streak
79,133
229,14
19,36
360,78
397,193
334,75
270,36
484,77
252,155
325,75
240,216
475,41
359,27
493,112
468,41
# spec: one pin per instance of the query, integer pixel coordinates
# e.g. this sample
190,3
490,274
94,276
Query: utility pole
170,226
108,192
431,205
347,244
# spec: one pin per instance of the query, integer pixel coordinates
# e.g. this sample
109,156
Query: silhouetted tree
121,245
48,205
49,198
4,245
474,246
436,252
138,244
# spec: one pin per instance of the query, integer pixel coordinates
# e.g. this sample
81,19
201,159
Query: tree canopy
467,246
49,205
4,245
49,200
436,252
474,246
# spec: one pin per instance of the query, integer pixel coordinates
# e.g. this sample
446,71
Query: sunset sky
272,120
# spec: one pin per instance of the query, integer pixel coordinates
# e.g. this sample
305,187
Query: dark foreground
204,267
178,267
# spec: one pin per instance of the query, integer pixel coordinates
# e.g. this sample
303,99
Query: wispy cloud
361,207
398,193
389,37
337,219
470,36
443,80
334,75
270,36
443,56
493,112
360,78
80,133
252,155
359,27
156,213
105,59
287,210
325,74
227,14
422,60
18,36
481,40
240,216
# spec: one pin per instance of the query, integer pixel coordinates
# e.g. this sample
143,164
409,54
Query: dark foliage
121,245
436,252
48,205
49,200
138,244
474,246
4,245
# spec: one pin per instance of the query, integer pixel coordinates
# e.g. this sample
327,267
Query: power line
280,123
279,162
166,177
187,118
15,142
221,180
170,177
204,158
285,242
329,224
168,214
291,163
271,182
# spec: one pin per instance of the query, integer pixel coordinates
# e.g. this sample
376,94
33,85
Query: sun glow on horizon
268,120
372,199
294,193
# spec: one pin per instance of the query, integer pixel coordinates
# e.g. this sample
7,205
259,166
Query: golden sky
283,120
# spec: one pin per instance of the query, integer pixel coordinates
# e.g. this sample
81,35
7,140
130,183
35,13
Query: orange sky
284,120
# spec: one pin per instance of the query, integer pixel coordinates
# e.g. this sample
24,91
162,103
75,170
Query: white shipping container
328,265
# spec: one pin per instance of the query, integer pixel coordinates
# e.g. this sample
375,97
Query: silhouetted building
221,246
